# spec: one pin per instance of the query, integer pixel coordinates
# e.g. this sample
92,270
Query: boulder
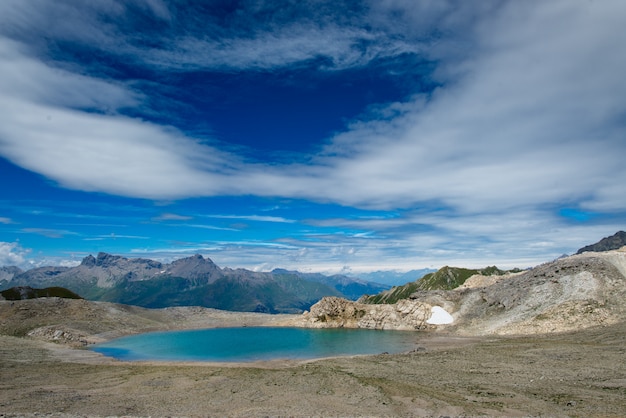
333,312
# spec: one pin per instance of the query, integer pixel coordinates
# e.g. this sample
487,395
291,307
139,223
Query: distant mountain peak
102,260
196,259
195,267
89,261
107,260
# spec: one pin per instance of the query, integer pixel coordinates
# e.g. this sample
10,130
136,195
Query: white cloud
12,254
531,107
94,151
536,117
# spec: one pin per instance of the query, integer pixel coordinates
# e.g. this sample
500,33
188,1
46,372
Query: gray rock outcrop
333,312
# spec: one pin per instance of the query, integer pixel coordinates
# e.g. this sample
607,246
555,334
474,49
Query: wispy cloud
49,233
256,36
6,221
171,217
211,227
114,236
254,218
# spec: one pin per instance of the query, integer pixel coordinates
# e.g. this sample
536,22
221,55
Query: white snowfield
439,316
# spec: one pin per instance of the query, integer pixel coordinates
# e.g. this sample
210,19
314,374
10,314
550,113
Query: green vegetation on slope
446,278
26,292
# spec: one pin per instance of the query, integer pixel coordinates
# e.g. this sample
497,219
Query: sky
327,136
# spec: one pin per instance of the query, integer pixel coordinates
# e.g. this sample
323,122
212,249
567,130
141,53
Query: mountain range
191,281
393,278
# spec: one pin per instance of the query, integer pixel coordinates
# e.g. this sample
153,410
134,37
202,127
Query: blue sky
317,135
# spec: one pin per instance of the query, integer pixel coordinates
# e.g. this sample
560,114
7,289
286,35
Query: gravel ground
576,374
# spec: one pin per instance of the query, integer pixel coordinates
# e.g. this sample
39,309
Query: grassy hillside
445,278
26,292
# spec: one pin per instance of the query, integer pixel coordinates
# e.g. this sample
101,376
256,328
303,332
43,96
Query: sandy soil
577,374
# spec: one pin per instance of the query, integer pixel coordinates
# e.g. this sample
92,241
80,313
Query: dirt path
580,374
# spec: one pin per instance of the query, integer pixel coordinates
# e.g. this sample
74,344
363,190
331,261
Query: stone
334,312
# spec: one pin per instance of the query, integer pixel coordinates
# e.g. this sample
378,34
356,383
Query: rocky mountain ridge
350,287
614,242
192,281
7,273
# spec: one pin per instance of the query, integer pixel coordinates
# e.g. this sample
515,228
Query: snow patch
439,316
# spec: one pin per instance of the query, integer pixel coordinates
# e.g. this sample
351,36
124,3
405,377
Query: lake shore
572,374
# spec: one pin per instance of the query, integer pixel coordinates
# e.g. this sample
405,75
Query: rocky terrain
340,313
570,293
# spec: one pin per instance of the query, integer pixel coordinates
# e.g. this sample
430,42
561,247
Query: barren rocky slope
567,294
80,322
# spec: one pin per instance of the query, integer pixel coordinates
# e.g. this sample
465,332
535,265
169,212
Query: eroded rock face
333,312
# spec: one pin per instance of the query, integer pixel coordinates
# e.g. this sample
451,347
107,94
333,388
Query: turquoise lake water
256,344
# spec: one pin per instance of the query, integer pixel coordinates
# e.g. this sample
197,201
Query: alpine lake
249,344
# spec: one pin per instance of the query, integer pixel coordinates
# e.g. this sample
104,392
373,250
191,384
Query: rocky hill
191,281
445,278
79,322
614,242
567,294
